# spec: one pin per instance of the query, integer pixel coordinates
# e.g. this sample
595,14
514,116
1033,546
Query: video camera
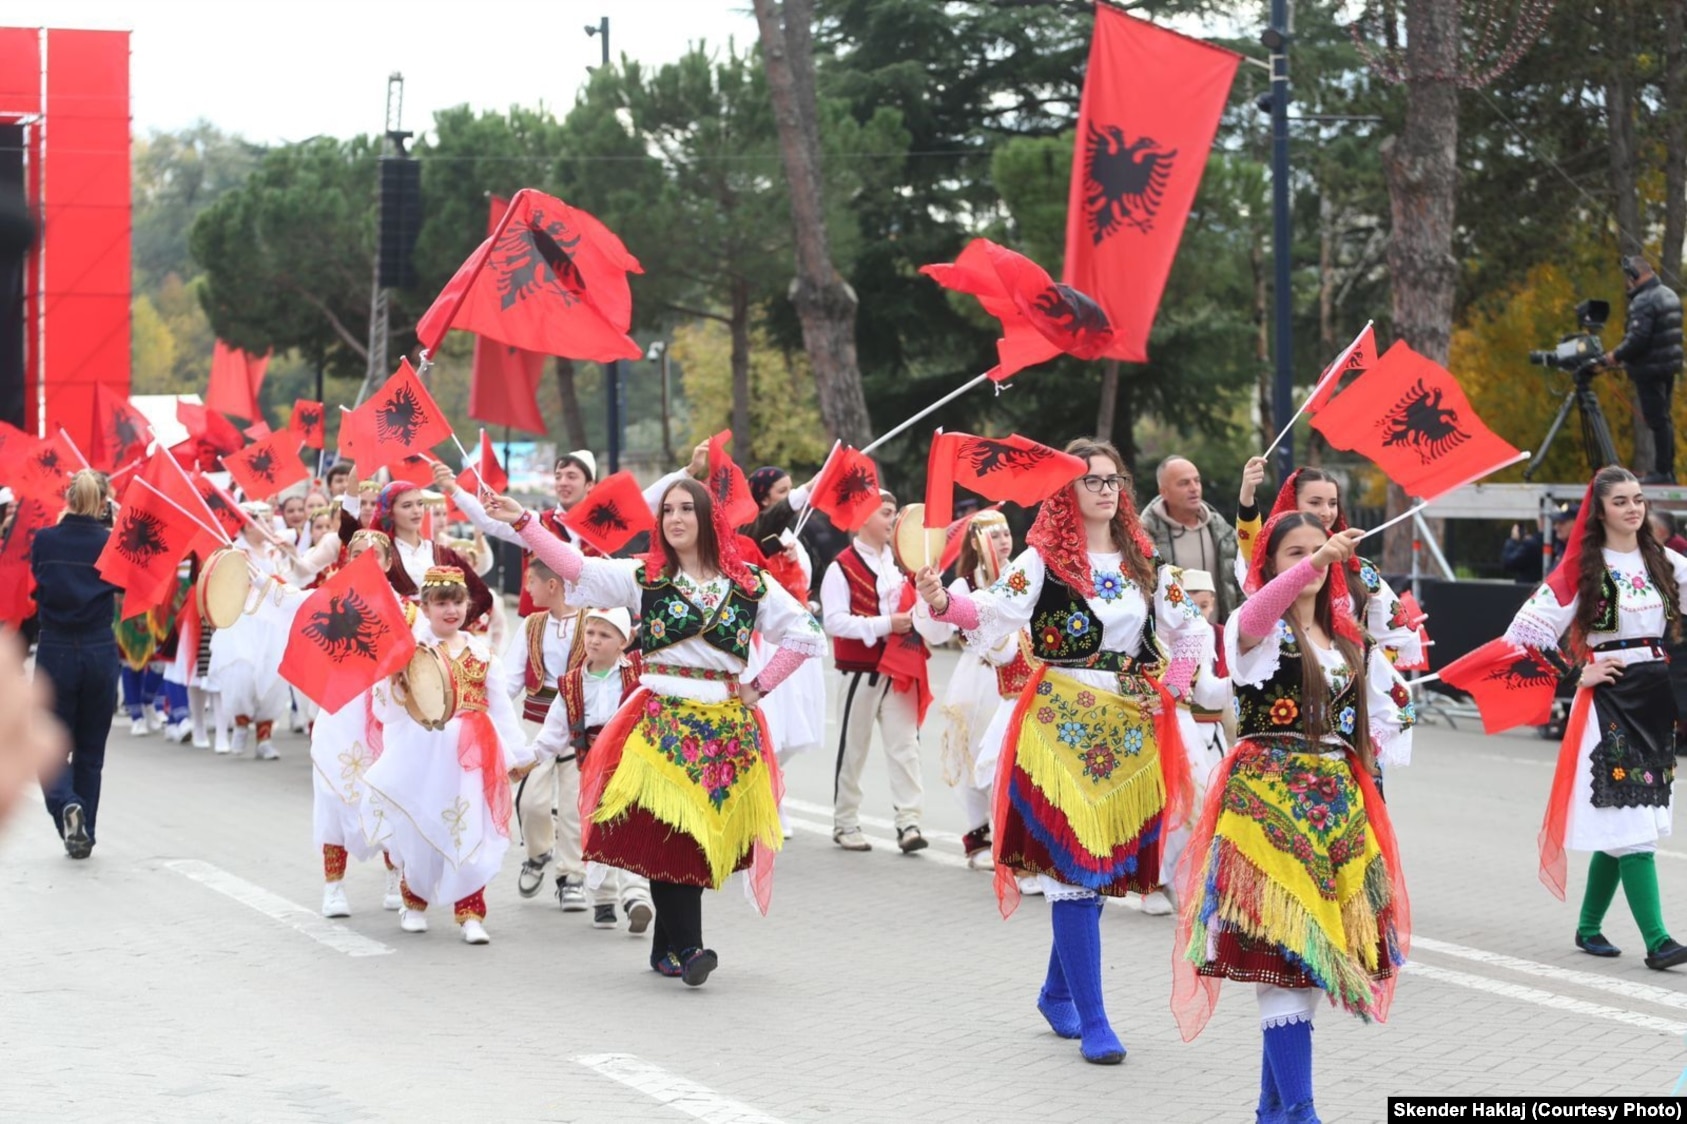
1578,349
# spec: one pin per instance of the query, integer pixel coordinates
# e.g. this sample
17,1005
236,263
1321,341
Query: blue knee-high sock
1055,1000
1288,1052
1270,1109
1077,938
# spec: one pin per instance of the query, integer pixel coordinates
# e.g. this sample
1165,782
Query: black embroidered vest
667,616
1272,709
1066,633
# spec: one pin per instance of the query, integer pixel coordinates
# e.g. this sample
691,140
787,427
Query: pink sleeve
560,556
780,665
961,612
1185,659
1260,613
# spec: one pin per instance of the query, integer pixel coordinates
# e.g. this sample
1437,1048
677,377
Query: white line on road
1628,989
1535,995
930,854
297,917
679,1093
871,821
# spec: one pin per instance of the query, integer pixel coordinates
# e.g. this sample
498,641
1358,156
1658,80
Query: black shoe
532,875
910,840
76,842
667,965
1597,945
603,917
699,962
1667,955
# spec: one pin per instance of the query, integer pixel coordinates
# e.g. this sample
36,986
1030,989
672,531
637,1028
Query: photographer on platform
1651,352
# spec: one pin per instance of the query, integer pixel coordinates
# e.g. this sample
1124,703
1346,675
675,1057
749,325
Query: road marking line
941,858
1628,989
296,917
1540,998
679,1093
871,821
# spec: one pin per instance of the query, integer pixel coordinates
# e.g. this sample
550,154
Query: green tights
1639,875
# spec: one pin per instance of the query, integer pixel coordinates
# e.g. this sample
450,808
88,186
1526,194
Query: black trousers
679,918
83,672
1655,392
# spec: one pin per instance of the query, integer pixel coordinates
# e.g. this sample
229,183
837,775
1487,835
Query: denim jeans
83,672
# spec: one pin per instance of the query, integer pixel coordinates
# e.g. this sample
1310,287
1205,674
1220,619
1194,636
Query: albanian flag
397,422
121,432
307,423
1355,359
150,537
17,579
727,485
487,474
611,514
1040,319
266,467
209,428
1151,104
551,279
504,388
15,447
347,636
46,469
235,378
1409,415
223,510
1511,686
847,490
1012,468
954,536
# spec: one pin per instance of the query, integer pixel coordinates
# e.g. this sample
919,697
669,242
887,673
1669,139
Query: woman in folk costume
439,800
1371,600
398,513
1090,767
682,786
1292,879
344,743
981,681
246,656
1617,592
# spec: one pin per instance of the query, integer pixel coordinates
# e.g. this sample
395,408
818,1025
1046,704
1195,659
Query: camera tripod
1596,435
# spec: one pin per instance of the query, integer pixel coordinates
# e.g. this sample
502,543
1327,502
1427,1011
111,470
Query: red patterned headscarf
727,553
1058,536
1288,500
1341,604
1567,575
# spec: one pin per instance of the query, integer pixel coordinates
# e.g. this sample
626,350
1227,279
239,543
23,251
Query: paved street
182,974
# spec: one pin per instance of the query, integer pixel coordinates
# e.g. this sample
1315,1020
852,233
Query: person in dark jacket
1651,352
77,653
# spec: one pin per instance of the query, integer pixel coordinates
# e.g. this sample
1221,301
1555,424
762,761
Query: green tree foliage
784,413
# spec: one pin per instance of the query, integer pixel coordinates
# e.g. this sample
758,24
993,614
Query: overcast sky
276,72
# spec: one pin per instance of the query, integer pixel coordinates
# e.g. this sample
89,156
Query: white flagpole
1333,371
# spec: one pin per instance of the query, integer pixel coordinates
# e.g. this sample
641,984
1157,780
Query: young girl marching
441,798
1617,592
246,656
1292,880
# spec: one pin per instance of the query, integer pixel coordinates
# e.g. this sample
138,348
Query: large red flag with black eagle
1011,468
1040,319
347,636
504,386
266,467
17,579
847,489
307,422
611,513
46,469
727,485
550,279
1510,686
121,432
1409,415
152,535
399,420
1151,104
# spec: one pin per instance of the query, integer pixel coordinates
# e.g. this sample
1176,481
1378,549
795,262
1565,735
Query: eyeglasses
1113,483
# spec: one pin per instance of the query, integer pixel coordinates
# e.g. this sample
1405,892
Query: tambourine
914,545
224,588
426,688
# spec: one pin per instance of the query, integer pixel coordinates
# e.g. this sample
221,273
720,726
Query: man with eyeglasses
1190,533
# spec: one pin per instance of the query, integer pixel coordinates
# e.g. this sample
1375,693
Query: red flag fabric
611,514
504,388
1355,359
727,485
46,470
551,279
1012,468
163,474
257,431
209,427
955,536
1509,685
487,472
347,636
222,508
847,490
17,580
15,448
1040,319
904,660
398,420
1151,104
150,538
121,479
307,422
1409,415
121,432
236,376
266,467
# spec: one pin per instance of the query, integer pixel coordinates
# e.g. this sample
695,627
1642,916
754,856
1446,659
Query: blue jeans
83,672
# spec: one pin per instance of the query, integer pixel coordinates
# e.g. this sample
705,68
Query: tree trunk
572,419
1675,142
1109,400
1421,170
1127,415
740,330
1619,128
823,299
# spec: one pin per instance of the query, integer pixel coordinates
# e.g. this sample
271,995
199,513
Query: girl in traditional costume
1091,768
1292,879
398,513
246,656
682,785
1617,592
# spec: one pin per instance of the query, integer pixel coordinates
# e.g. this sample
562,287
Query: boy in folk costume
439,800
548,644
590,693
867,604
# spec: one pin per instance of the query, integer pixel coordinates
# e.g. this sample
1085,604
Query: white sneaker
981,860
334,902
266,751
639,915
1031,886
242,736
393,900
571,896
413,921
475,933
154,719
137,728
1156,904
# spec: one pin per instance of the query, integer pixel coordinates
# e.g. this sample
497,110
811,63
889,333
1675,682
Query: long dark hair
1314,692
708,546
1592,575
1357,592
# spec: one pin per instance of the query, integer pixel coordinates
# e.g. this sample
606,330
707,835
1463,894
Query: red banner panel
20,72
